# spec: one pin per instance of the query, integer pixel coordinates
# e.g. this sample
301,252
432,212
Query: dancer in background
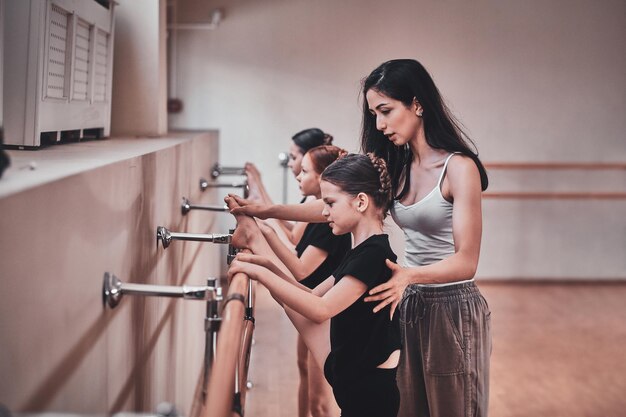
301,143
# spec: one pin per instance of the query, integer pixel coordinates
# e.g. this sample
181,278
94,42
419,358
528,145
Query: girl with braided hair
317,253
358,348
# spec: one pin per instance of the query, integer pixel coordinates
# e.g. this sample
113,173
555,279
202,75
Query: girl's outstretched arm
269,265
313,307
315,335
301,267
258,189
309,211
248,235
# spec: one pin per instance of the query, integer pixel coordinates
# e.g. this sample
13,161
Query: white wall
139,71
532,81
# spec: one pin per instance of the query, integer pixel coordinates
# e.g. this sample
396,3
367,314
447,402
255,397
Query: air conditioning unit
58,63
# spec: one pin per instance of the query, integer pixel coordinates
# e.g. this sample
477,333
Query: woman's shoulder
462,172
462,166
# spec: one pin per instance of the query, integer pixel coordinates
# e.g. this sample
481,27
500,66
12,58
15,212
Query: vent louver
58,37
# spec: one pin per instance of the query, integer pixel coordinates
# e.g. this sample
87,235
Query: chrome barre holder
187,206
113,289
218,170
204,184
232,251
166,237
212,323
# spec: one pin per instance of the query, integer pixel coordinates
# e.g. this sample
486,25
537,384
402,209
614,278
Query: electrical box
58,64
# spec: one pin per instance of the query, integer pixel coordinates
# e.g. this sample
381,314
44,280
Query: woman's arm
302,267
315,308
465,189
309,211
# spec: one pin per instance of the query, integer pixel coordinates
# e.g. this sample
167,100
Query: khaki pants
444,366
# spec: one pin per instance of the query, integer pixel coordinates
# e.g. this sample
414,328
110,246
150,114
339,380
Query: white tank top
427,227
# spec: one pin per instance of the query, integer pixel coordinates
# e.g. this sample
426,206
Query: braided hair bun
357,173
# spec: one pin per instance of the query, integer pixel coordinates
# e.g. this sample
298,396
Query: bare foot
255,183
247,229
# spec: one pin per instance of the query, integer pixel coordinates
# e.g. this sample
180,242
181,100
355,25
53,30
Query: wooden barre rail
584,166
557,195
232,354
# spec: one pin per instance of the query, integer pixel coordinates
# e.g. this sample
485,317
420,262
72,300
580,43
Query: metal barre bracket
113,289
218,170
166,237
204,184
187,206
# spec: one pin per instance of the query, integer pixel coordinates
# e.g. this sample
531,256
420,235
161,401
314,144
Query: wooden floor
558,350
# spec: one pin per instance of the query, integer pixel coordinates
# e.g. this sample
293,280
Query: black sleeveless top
321,236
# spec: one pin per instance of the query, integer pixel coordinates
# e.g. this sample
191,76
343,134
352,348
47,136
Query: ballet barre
204,184
187,206
218,170
166,237
113,289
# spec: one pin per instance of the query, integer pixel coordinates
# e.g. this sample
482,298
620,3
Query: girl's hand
247,207
240,201
254,259
253,271
261,261
391,291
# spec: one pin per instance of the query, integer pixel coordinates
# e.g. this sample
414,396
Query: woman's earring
419,113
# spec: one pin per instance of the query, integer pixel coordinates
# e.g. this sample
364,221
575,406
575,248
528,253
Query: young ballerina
302,142
318,253
357,348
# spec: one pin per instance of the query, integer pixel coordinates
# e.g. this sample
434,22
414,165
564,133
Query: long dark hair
310,138
407,80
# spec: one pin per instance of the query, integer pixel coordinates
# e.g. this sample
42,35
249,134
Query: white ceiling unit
57,68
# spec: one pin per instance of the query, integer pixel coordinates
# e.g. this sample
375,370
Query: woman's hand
391,291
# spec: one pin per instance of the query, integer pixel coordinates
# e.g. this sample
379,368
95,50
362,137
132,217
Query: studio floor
559,349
